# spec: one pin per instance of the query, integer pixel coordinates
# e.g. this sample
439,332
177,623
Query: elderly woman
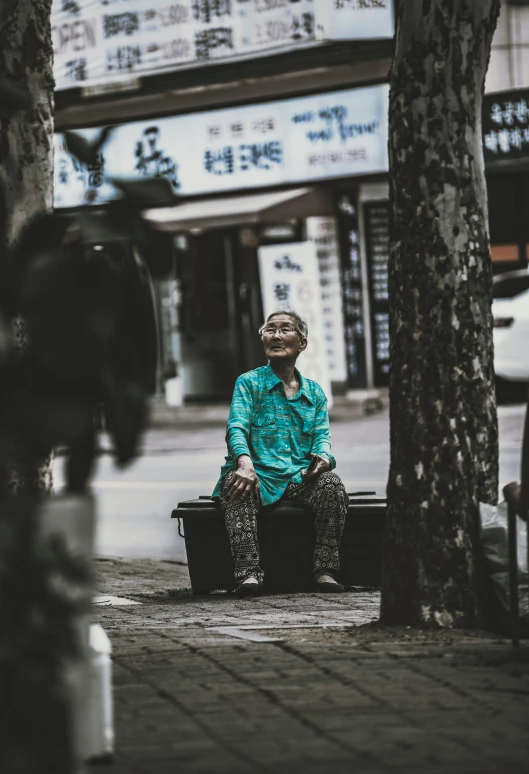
279,446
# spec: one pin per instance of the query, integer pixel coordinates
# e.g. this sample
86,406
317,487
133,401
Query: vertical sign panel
377,241
323,232
505,125
290,279
352,291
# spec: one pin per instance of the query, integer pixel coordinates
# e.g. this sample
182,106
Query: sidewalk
300,683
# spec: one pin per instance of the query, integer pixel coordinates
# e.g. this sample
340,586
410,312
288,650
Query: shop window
504,210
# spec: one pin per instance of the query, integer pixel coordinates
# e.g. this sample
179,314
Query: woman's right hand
244,480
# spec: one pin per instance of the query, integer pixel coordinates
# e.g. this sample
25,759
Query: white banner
290,279
104,40
323,232
355,19
98,42
343,133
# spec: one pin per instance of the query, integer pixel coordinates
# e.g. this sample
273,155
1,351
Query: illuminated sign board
342,133
505,125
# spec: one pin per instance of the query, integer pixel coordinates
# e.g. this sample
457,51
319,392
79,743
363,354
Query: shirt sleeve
241,410
321,438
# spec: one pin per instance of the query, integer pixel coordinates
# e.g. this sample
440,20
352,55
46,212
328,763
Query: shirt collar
272,380
304,388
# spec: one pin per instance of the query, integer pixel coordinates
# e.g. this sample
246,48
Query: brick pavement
194,696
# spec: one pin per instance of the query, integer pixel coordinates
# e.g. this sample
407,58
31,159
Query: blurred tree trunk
39,580
443,423
26,149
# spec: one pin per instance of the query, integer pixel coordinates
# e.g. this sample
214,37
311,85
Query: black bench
286,540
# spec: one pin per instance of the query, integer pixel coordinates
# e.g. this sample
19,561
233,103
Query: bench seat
286,540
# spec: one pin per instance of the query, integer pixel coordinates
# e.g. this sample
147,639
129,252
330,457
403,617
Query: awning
240,210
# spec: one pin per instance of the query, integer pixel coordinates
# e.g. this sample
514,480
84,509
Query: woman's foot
327,584
249,588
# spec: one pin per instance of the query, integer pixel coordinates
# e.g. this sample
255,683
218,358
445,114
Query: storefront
347,217
312,171
285,173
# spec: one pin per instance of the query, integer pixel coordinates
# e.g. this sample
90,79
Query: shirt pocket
308,422
263,419
263,435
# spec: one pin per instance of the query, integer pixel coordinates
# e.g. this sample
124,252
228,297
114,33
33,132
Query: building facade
269,118
265,116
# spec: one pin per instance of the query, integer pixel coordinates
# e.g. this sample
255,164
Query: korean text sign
506,125
337,134
98,42
290,279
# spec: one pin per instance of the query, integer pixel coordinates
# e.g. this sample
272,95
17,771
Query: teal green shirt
277,432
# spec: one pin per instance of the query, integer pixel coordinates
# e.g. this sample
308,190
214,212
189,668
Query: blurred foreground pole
45,594
44,572
443,423
26,148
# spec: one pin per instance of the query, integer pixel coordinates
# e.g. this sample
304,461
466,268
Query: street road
134,505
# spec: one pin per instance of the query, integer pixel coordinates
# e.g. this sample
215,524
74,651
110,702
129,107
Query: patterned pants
326,498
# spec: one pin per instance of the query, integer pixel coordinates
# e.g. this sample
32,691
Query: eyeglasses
284,330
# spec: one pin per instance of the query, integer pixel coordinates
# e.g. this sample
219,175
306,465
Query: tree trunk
443,423
26,149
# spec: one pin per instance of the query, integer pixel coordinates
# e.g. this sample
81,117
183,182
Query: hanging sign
97,42
505,125
353,302
323,232
355,19
290,280
105,40
342,133
377,244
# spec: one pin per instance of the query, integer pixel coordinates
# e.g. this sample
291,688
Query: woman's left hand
322,464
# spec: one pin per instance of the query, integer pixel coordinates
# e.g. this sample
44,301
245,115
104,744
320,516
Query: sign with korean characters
323,232
342,133
100,42
290,278
352,284
506,125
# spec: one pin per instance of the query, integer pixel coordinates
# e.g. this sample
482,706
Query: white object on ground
71,519
114,601
174,394
99,741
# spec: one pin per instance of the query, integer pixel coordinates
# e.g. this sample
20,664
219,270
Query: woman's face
281,341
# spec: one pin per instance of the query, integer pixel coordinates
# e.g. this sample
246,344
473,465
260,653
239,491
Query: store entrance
208,326
220,308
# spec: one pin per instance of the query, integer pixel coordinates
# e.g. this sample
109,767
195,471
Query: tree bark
26,151
443,422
